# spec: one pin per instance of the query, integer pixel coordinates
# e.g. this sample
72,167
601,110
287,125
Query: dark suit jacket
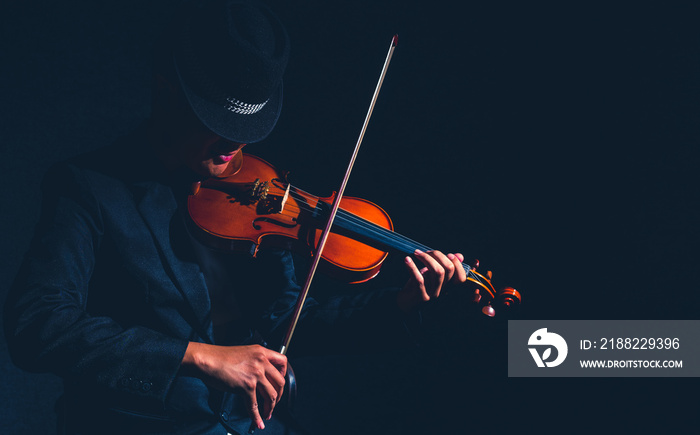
110,294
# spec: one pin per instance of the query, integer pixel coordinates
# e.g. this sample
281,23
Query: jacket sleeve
47,324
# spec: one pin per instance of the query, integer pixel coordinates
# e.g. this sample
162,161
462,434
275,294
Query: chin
210,169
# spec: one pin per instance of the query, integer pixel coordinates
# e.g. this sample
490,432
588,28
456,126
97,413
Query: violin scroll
508,296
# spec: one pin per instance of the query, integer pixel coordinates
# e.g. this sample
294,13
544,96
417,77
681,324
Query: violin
255,206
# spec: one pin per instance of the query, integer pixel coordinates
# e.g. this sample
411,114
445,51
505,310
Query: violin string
363,223
408,244
372,230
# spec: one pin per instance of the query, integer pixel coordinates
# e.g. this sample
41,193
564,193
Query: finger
275,378
446,264
417,278
278,360
460,274
437,272
253,410
269,395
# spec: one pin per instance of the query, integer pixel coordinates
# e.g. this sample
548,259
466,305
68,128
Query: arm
253,370
47,323
52,323
370,321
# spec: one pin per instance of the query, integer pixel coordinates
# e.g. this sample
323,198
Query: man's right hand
254,370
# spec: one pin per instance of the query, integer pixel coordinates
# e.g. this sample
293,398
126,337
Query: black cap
230,56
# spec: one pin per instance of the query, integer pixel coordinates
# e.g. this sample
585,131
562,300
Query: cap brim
236,127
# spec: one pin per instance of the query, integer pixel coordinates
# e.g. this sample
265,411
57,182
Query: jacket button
224,415
146,386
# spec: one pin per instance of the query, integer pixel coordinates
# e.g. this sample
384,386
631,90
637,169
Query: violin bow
334,210
336,204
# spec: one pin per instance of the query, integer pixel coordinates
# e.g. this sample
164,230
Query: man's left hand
429,281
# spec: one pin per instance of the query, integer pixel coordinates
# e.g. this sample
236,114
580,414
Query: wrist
192,358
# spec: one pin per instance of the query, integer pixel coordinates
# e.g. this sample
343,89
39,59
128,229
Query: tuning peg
488,310
489,274
474,264
477,296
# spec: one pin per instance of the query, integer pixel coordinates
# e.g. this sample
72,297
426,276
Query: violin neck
377,236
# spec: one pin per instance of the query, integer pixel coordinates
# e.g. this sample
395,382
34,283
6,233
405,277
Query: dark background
558,144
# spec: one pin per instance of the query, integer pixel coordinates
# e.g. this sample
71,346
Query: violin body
255,207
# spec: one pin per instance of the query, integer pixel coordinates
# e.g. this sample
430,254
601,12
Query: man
151,331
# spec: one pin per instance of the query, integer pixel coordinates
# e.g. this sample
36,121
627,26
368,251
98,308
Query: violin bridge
267,203
284,199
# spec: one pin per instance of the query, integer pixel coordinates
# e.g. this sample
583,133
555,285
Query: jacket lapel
158,207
